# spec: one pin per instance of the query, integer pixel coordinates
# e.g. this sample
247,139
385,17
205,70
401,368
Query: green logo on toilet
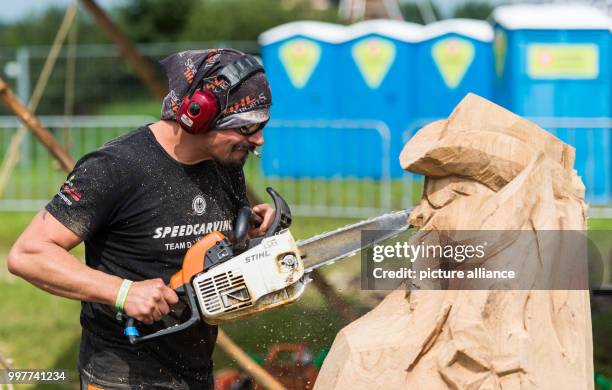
453,57
500,46
300,58
374,57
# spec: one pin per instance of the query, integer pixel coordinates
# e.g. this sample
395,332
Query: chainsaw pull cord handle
134,335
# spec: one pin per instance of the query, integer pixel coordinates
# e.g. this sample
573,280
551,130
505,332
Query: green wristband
122,294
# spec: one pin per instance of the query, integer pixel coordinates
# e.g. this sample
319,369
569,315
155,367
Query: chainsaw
224,280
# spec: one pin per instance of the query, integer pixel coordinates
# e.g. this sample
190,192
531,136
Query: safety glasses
248,130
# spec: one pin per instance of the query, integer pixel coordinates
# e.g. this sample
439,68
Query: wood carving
486,169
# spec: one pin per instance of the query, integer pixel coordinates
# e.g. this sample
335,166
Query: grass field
38,330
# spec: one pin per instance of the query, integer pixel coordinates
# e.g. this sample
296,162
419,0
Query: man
139,202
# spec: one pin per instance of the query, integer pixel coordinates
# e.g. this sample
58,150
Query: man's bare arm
40,255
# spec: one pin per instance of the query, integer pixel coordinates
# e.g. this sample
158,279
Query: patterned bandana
246,104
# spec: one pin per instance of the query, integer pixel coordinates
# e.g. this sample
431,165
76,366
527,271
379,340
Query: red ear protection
200,108
197,112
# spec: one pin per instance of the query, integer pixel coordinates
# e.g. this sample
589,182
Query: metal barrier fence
593,141
592,138
324,196
37,177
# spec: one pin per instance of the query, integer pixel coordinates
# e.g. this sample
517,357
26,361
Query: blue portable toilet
376,82
554,61
301,63
455,57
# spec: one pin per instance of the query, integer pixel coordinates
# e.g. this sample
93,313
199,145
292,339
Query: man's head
242,100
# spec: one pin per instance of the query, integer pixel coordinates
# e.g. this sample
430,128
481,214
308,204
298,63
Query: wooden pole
69,86
28,118
247,364
12,156
6,364
58,42
141,65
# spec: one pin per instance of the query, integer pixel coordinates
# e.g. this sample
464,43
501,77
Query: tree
244,19
474,11
155,20
411,12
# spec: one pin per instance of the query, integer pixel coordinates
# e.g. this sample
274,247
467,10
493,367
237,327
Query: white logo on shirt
199,205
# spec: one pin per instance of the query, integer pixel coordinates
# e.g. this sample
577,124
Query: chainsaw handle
281,221
241,228
282,216
134,335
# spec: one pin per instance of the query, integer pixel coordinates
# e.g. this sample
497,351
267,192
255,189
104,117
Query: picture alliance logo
199,205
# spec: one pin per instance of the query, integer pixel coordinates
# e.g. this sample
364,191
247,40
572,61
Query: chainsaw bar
327,248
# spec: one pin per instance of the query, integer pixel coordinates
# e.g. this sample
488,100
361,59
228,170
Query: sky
16,9
11,9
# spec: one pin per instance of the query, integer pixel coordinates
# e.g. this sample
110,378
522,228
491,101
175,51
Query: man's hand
148,301
263,215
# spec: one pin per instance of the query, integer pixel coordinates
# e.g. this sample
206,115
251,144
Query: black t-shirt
138,211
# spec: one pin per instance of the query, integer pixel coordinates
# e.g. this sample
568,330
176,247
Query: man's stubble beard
234,162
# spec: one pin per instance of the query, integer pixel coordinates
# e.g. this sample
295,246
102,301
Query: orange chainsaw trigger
193,262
